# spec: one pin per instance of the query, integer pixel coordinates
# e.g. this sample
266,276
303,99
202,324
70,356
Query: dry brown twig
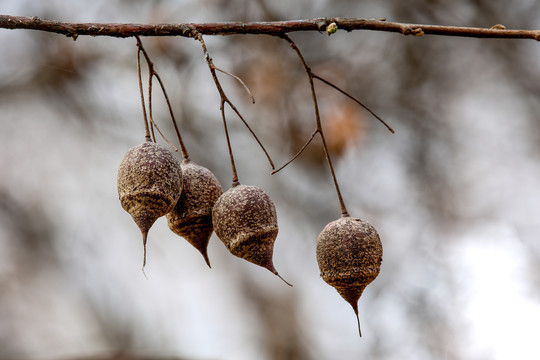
225,100
151,74
319,129
275,28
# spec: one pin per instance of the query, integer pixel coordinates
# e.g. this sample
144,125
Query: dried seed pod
149,184
191,218
245,220
349,254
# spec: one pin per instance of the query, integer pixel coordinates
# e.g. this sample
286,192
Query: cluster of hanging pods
152,183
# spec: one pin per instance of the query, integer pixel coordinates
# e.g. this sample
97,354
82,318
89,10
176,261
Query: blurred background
454,193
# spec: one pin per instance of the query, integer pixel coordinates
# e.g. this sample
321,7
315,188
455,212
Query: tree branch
270,28
318,122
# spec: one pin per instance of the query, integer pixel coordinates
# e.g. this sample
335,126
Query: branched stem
183,148
152,122
233,165
315,76
355,100
319,129
153,125
152,72
298,153
225,99
239,80
141,91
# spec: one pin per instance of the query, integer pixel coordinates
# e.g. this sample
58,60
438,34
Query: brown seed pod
349,254
191,218
245,220
149,184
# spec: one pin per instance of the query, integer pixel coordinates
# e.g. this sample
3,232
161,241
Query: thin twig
239,80
276,28
233,108
235,180
225,99
297,154
146,126
150,113
316,131
152,72
183,148
152,122
355,100
309,73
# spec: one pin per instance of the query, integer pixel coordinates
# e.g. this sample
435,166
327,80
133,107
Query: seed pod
149,184
245,220
349,254
191,218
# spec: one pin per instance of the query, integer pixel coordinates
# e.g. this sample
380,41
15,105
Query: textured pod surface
191,218
245,220
349,254
149,183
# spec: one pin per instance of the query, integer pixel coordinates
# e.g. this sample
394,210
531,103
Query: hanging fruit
349,254
191,218
149,184
245,220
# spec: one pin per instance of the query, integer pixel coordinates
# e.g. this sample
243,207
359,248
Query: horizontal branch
269,28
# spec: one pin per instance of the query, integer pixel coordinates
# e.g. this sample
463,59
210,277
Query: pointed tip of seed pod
205,256
272,269
191,217
144,273
358,320
144,238
355,309
198,235
352,295
285,281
